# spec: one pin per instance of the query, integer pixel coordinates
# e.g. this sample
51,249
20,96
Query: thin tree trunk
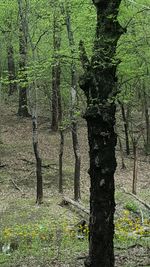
54,124
123,166
11,70
99,82
125,120
56,72
147,123
39,197
61,161
74,85
76,149
23,107
33,106
135,168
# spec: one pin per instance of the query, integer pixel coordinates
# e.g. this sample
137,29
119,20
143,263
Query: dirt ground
17,172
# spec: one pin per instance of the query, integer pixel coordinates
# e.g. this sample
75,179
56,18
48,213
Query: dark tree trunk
61,161
123,166
125,120
99,83
39,197
56,72
135,168
23,107
11,70
56,97
77,195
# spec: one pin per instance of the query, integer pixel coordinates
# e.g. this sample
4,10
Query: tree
11,69
99,84
10,59
133,50
74,85
23,29
56,71
7,29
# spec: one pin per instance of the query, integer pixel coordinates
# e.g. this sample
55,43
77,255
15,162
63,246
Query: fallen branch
52,165
67,201
3,165
16,186
81,257
138,199
129,247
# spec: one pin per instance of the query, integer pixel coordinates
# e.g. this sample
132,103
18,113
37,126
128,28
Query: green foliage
131,206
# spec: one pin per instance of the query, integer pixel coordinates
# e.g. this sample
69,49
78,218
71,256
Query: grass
48,234
40,233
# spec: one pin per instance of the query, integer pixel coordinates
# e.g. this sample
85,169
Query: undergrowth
59,240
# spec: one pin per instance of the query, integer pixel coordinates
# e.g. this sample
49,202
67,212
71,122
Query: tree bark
74,85
34,112
99,84
125,120
11,70
61,161
39,197
56,72
135,168
147,123
123,166
76,149
23,106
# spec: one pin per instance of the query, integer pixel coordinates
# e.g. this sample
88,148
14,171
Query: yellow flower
126,212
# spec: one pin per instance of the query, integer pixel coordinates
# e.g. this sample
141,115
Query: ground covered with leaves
50,234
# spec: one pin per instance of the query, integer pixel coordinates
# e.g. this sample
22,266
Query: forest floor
47,235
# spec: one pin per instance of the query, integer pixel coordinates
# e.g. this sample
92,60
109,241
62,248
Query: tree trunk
123,166
23,107
77,195
125,120
147,122
135,168
56,72
61,161
11,70
34,112
99,83
39,197
74,85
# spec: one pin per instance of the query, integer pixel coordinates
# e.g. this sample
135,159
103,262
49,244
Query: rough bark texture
11,70
23,107
99,83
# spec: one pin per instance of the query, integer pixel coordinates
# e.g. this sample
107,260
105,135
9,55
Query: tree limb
138,199
67,201
16,186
